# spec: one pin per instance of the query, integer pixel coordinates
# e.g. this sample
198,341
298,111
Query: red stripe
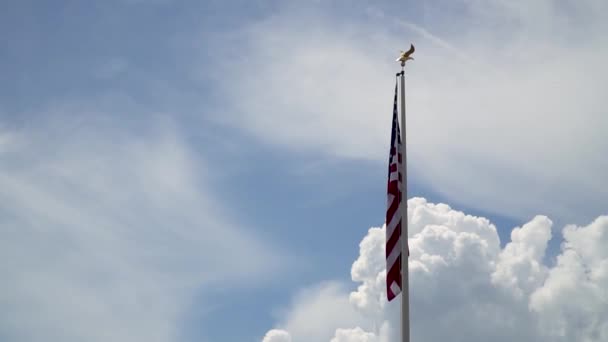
393,188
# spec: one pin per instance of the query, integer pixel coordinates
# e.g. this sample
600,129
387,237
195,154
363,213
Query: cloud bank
465,287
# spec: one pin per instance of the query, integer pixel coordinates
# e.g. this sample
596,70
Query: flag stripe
394,284
391,226
396,252
391,243
393,208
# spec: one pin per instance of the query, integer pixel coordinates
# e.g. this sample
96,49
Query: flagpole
405,292
405,287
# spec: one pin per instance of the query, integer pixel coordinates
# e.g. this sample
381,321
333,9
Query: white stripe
393,176
390,226
395,288
389,200
392,258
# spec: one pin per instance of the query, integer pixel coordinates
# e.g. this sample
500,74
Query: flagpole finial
405,55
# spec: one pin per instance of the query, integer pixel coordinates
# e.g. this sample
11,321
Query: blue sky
184,170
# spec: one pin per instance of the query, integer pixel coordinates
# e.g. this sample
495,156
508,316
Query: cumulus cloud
573,302
520,265
316,312
499,89
277,335
354,335
465,287
108,229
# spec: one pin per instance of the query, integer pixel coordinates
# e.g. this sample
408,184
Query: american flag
393,212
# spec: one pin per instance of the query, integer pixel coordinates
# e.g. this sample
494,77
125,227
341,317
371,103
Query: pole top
405,55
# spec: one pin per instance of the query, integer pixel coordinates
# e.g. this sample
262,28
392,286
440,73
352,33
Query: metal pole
405,287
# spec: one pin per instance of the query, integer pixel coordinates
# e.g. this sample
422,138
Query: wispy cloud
523,118
109,229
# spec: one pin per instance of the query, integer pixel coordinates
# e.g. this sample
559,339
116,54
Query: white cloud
520,265
108,230
511,91
277,335
573,302
354,335
316,312
465,287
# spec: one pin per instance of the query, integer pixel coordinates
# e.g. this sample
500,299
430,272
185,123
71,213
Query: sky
216,170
